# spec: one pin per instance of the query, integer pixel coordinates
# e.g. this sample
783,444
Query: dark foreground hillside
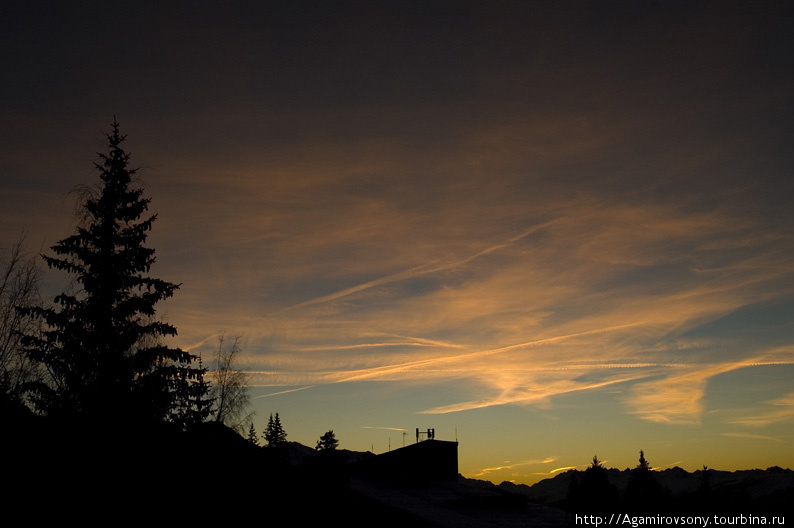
57,472
61,472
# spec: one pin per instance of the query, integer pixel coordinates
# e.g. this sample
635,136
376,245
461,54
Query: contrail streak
284,392
389,369
424,269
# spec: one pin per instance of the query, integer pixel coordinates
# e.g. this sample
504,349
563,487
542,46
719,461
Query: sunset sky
550,230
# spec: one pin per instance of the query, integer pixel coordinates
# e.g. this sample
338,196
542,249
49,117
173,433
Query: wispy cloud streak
418,271
782,410
610,293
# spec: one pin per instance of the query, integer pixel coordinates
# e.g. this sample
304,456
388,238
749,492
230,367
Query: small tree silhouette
643,464
327,442
704,495
643,492
275,435
704,486
595,494
252,438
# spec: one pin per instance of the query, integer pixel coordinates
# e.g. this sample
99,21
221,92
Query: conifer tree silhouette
596,494
327,442
102,345
643,492
275,435
704,497
252,438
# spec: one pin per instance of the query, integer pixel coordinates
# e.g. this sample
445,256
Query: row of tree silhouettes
97,353
276,436
592,492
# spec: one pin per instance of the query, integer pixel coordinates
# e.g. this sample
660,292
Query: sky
548,230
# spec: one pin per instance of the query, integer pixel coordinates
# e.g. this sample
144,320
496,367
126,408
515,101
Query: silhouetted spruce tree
193,402
596,494
102,345
327,442
643,492
329,472
252,438
703,499
275,435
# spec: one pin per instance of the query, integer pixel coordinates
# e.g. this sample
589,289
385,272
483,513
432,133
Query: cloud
418,271
678,396
513,465
594,294
754,437
531,250
782,411
538,393
386,428
557,470
279,393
